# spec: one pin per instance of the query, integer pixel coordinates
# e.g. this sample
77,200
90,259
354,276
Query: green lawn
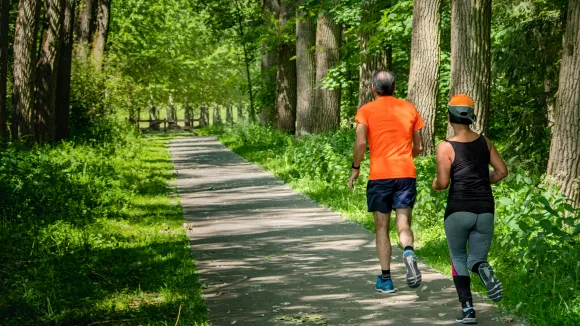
129,263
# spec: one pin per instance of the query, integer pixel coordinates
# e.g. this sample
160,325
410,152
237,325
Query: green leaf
546,225
506,201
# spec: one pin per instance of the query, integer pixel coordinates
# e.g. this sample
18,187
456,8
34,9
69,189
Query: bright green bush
536,248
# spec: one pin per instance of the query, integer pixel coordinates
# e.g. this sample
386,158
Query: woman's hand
435,185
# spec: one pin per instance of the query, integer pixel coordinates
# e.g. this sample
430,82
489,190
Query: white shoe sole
467,321
386,291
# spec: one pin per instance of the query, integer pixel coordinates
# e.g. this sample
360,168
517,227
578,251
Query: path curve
267,255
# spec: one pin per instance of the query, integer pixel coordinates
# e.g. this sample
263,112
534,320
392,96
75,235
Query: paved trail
269,256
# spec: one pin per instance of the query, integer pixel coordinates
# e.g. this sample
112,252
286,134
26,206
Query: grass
129,263
533,252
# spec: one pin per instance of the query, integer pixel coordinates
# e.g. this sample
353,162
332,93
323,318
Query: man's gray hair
384,82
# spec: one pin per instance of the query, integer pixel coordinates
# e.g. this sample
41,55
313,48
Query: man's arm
360,147
417,143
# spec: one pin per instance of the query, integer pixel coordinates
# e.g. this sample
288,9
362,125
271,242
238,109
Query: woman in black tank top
464,161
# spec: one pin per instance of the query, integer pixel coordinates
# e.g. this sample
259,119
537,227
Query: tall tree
101,33
4,29
270,13
286,73
305,73
47,72
25,34
424,74
372,58
85,27
328,37
564,162
471,56
62,113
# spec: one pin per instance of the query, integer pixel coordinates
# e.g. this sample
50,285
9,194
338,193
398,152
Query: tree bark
328,37
270,12
371,60
64,72
101,33
424,74
564,161
4,30
217,119
471,56
85,27
286,75
240,113
229,114
25,34
305,74
204,116
47,72
187,113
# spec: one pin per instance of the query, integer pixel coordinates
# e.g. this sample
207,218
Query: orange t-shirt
391,123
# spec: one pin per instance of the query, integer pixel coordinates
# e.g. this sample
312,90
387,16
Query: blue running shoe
385,286
413,272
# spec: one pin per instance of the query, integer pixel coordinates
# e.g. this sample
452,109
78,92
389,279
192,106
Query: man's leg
382,221
384,282
404,216
406,239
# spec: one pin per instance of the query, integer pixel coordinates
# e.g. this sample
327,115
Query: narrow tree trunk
305,74
286,75
270,13
328,37
424,74
187,113
203,117
4,30
471,56
240,113
564,162
152,113
25,34
101,33
229,114
85,27
47,72
217,119
64,71
371,59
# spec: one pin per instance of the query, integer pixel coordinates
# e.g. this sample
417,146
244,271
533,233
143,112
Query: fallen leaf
442,314
508,319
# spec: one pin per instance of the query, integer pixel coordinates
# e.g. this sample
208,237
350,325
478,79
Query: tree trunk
187,113
101,33
85,27
471,56
4,30
240,113
328,37
564,162
424,74
25,34
270,13
286,75
64,72
47,72
305,74
217,119
229,114
371,60
203,117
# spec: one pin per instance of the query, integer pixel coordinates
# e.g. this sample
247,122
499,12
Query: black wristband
355,167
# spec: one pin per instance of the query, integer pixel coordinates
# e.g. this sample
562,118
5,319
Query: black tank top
470,189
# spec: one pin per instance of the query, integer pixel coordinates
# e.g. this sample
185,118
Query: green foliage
90,234
537,233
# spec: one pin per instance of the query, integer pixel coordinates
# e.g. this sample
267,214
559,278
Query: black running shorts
388,194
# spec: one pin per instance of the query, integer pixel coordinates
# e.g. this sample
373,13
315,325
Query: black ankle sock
408,248
386,274
475,267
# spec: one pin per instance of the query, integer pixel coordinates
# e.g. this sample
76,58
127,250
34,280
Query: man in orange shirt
393,130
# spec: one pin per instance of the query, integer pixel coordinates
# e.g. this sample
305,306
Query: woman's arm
445,157
500,170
